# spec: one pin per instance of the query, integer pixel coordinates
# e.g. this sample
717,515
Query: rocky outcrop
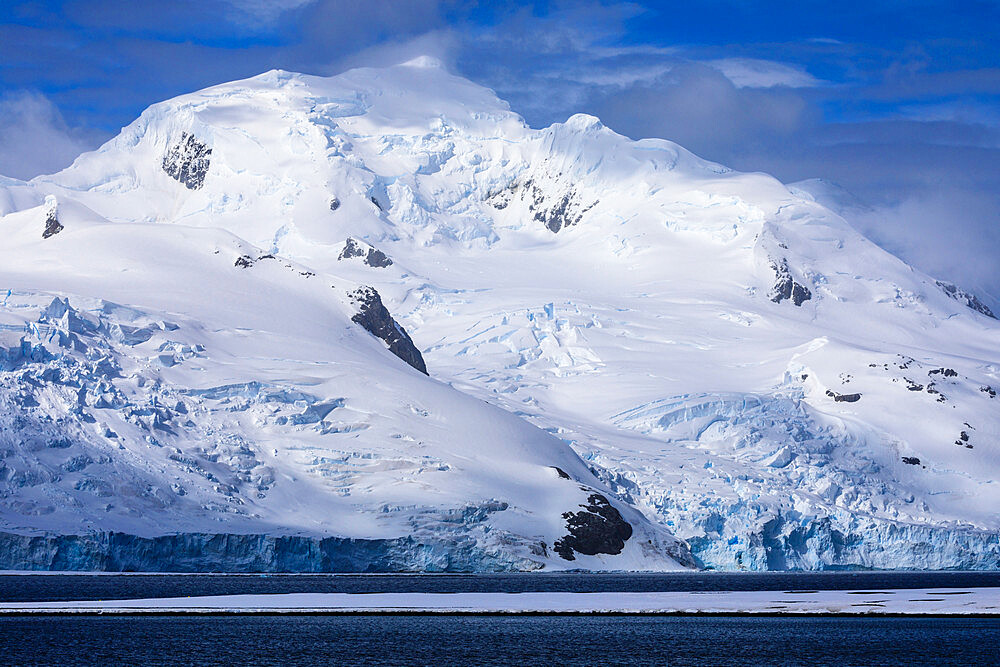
375,318
786,287
52,225
369,255
843,398
187,161
963,440
597,529
965,298
555,210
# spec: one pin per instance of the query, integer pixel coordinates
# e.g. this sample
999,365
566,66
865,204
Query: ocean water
486,640
36,587
496,640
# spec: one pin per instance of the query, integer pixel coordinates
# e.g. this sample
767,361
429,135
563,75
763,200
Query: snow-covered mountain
375,321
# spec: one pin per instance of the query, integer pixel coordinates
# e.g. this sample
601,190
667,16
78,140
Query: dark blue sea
487,640
34,587
499,640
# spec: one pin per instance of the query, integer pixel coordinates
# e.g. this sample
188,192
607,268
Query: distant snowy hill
375,322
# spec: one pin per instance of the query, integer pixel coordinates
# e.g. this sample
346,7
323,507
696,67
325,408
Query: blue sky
897,101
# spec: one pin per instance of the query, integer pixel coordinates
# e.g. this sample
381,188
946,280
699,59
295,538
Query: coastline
974,602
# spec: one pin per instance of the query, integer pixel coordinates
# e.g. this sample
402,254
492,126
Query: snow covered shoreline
898,602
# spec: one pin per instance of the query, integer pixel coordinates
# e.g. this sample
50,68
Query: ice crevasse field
375,322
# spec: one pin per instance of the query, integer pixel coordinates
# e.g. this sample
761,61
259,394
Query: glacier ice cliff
204,552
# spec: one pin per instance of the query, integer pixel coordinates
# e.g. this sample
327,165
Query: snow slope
734,362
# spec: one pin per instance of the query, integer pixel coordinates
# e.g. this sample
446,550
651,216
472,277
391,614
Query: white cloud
755,73
962,111
266,11
950,232
441,45
34,138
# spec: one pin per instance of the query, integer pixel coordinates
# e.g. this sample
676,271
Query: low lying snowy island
916,602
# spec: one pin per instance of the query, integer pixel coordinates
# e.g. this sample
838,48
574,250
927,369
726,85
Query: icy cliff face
625,343
822,494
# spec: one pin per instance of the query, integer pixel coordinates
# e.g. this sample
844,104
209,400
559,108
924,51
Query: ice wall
207,552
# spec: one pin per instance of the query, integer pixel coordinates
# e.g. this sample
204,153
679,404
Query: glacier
375,322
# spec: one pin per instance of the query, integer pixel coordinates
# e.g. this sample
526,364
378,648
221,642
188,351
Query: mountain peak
680,324
583,121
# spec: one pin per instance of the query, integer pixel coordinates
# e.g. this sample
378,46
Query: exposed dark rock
555,213
843,398
965,298
500,200
913,386
373,316
246,261
559,214
947,372
963,440
334,204
931,390
377,259
786,287
52,225
371,256
598,529
187,161
989,391
560,472
376,202
911,460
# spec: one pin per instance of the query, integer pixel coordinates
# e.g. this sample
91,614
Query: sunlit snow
583,302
